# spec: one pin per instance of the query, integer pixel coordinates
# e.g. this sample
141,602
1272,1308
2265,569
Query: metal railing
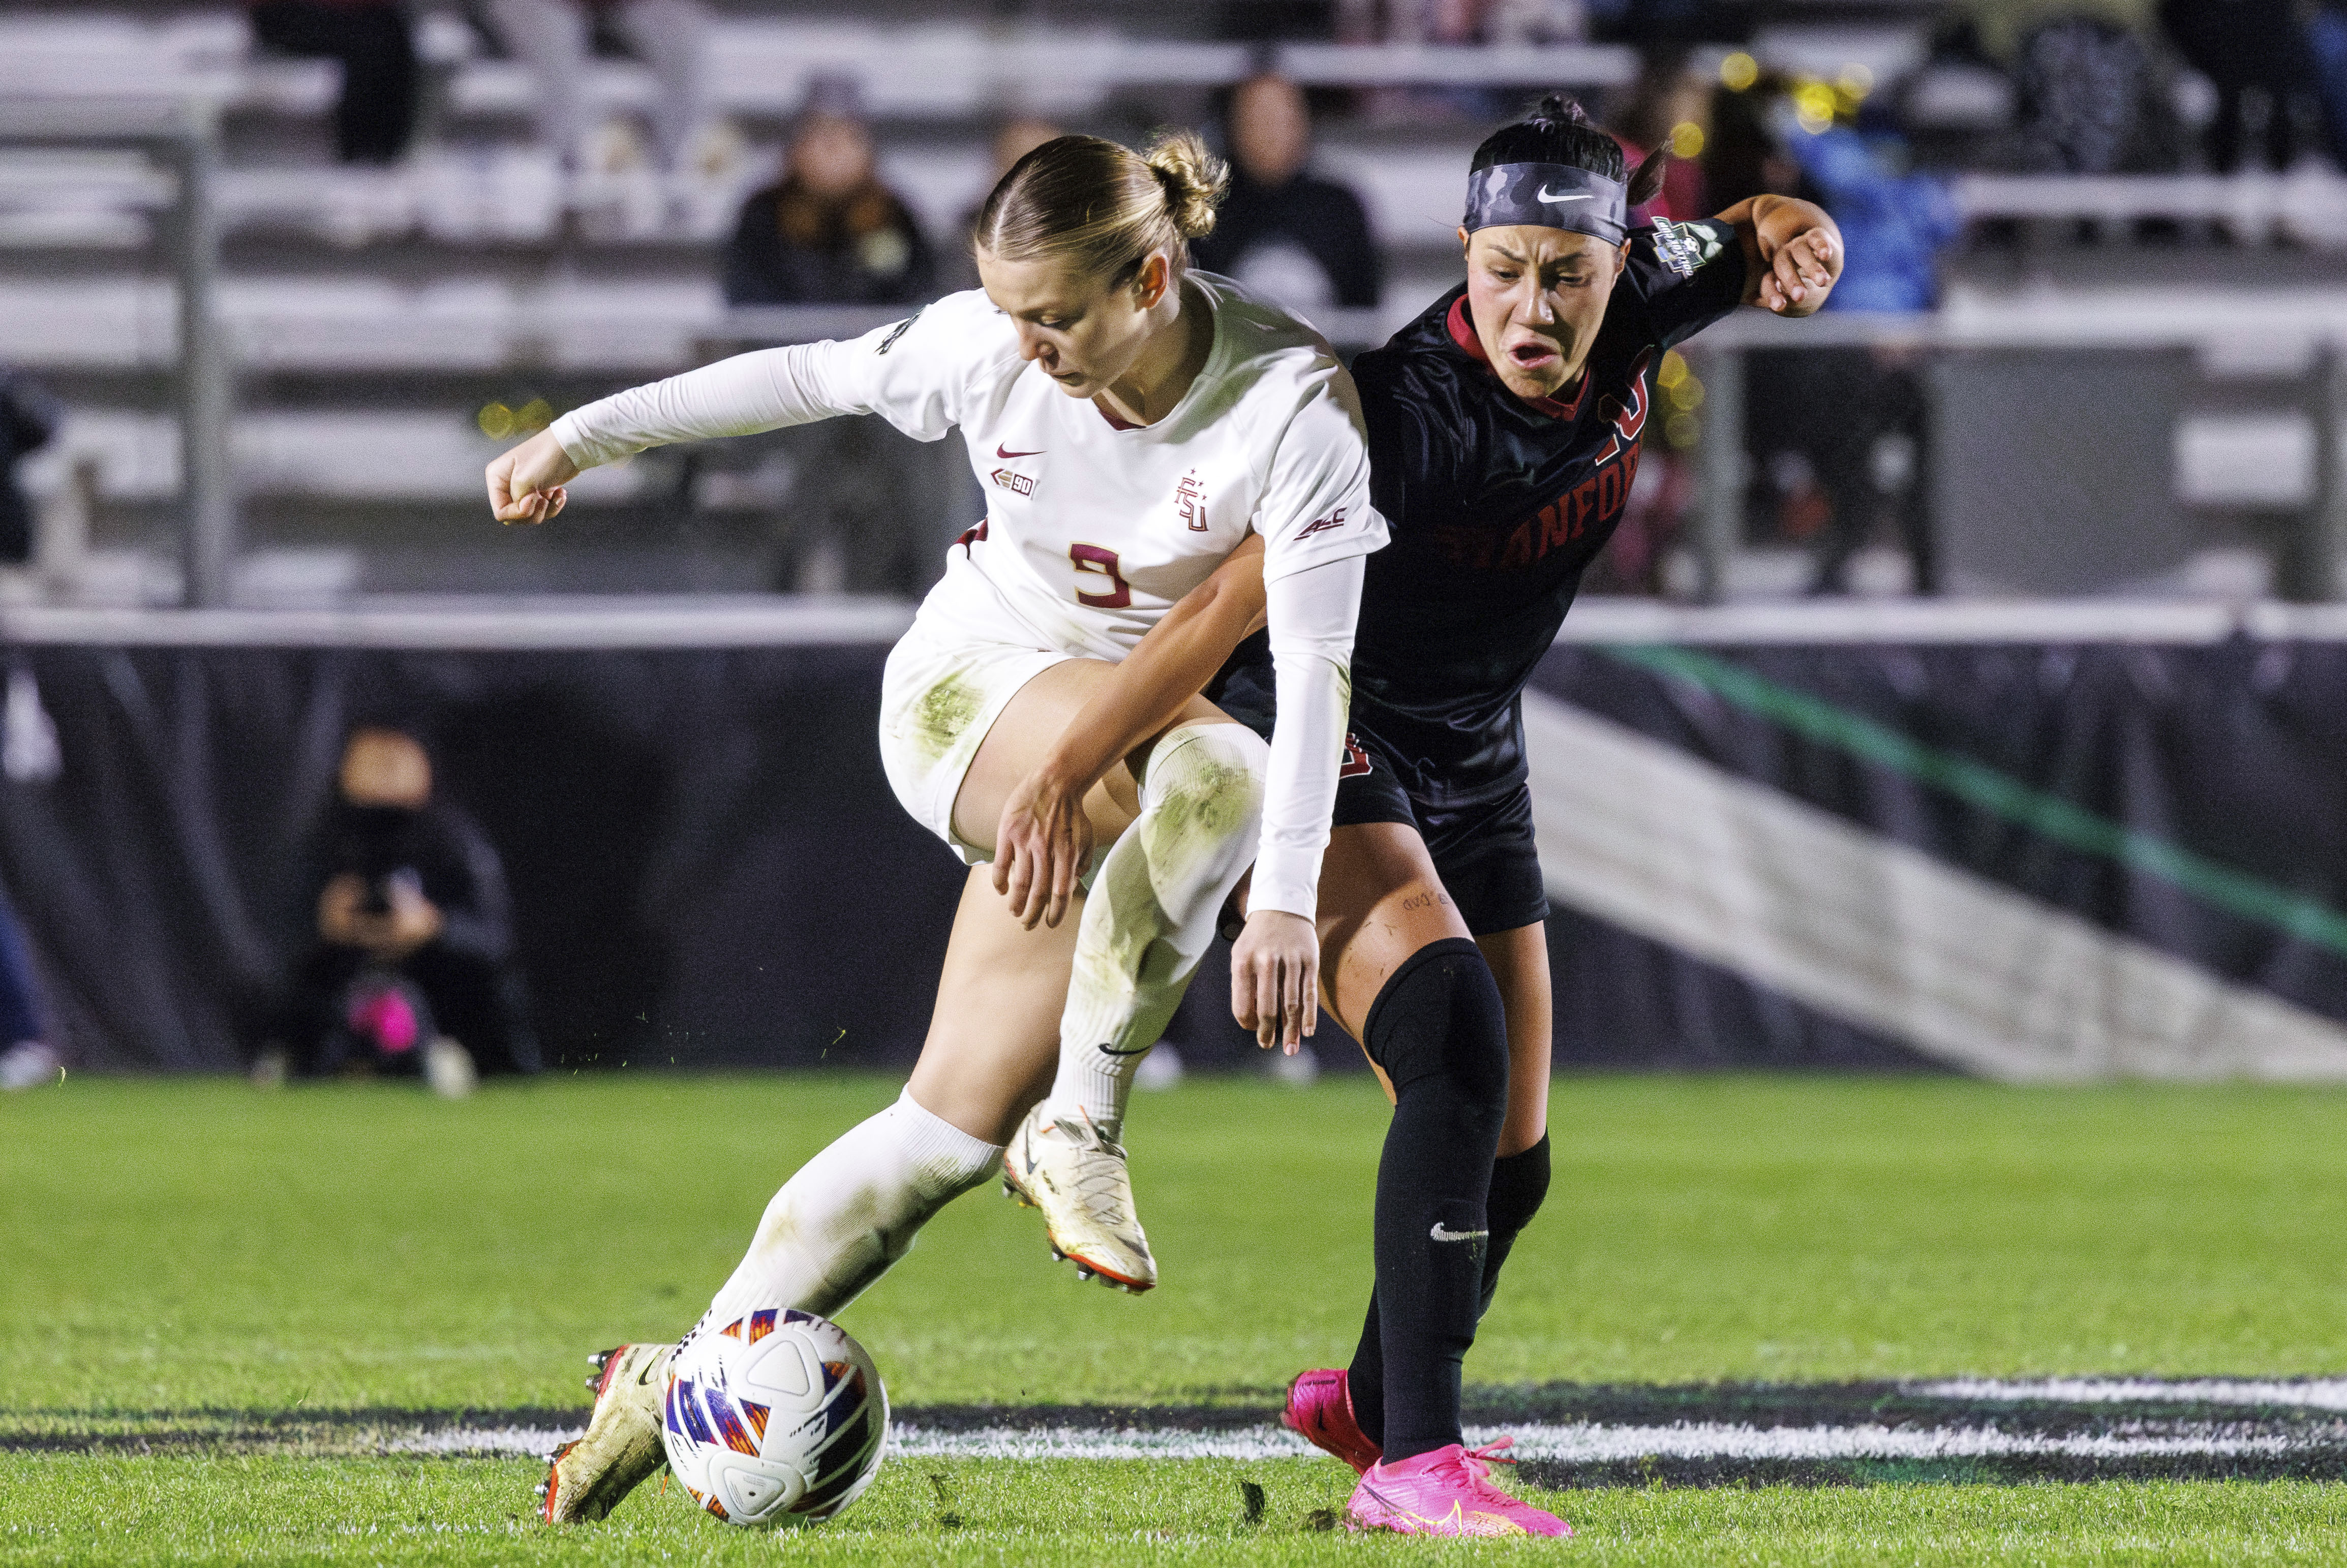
2320,324
183,136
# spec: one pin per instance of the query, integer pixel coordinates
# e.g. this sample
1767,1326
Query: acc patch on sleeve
901,329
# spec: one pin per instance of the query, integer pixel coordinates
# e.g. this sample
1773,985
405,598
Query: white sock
852,1211
1151,909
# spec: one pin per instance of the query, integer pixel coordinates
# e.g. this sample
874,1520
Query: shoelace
1477,1463
1100,1172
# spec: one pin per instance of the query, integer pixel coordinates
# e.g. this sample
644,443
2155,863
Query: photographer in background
413,968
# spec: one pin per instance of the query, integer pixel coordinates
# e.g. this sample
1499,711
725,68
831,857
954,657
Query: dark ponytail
1559,132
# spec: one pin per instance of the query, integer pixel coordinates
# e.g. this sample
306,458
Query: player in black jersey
1505,425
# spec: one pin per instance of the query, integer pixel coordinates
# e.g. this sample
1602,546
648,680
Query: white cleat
622,1444
1079,1180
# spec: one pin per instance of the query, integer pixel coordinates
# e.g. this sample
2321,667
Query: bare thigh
994,1040
1519,960
993,1043
1029,725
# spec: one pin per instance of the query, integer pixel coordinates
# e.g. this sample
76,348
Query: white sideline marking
2317,1394
534,1442
912,1441
1587,1444
1576,1442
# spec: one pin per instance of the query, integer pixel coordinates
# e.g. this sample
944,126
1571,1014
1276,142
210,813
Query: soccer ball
775,1418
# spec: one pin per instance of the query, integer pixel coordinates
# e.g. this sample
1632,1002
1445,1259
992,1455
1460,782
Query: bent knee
1208,782
1440,1015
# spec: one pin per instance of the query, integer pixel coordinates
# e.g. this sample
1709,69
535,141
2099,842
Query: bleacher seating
483,263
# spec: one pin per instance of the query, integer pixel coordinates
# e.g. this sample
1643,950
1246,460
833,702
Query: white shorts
940,694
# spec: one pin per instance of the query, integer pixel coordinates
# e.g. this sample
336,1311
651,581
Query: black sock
1519,1184
1440,1033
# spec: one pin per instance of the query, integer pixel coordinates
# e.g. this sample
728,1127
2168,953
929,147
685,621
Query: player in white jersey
1133,424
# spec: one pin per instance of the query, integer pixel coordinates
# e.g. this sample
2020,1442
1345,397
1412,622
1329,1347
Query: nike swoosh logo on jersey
1002,451
1134,1050
1439,1234
1582,196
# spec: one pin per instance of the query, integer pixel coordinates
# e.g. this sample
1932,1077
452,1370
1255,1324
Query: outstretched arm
763,390
1792,252
1045,838
918,389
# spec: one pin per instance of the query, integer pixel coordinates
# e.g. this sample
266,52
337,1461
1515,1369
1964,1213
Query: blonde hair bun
1101,207
1195,180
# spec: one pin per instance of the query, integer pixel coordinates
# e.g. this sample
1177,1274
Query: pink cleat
1320,1411
1445,1492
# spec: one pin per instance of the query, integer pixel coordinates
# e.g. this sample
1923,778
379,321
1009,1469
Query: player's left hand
1802,271
1041,845
1276,978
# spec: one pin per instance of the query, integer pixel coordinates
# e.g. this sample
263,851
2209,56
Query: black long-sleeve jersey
1496,506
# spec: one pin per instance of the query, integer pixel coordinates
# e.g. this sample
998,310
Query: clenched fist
525,482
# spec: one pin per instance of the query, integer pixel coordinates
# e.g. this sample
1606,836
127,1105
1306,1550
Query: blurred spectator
30,417
1893,222
413,968
556,39
2259,60
376,113
2000,26
1013,140
1835,435
829,233
2092,99
1670,106
27,1060
1295,238
1868,453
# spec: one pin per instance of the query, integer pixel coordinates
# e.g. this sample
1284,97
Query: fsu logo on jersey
1017,484
1190,501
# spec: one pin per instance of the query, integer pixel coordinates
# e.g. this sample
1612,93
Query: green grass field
189,1262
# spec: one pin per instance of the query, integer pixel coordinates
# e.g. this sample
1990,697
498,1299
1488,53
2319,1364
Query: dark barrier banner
705,862
2032,861
2054,860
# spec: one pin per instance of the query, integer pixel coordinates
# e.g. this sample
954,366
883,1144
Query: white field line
1588,1444
2317,1394
534,1442
1576,1442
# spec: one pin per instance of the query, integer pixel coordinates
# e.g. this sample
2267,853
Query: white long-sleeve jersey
1094,529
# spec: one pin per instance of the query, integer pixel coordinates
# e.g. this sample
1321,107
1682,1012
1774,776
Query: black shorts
1483,852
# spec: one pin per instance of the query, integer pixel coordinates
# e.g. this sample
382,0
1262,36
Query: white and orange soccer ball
775,1418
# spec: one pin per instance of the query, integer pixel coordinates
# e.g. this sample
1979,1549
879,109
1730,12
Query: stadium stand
379,318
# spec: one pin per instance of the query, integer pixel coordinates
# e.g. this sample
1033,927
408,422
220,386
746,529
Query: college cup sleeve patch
1683,247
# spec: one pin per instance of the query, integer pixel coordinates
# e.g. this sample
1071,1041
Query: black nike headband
1548,196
